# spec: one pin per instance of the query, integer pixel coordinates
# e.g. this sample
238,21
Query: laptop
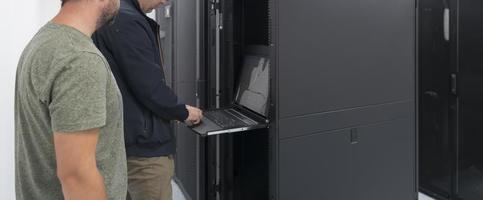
250,107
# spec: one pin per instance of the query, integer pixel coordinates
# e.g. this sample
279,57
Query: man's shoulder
81,49
54,51
50,40
51,47
91,57
128,17
61,42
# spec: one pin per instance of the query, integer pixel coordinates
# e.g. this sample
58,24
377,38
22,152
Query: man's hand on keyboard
194,115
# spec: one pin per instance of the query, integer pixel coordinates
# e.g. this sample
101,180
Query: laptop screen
253,86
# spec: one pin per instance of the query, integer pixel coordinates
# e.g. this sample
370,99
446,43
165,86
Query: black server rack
451,76
342,103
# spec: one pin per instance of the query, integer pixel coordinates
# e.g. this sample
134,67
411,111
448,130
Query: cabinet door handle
354,136
167,11
446,21
221,21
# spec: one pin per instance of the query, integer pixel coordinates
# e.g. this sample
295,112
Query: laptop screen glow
253,89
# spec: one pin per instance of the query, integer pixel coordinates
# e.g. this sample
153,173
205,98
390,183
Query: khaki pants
150,178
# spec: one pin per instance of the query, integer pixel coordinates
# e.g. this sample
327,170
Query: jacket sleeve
134,53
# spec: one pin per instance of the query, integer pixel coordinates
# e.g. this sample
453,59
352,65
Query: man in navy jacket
131,46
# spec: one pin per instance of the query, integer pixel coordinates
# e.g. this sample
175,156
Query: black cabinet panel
372,162
470,162
343,54
185,52
185,92
186,160
434,99
316,167
180,27
384,164
451,99
309,124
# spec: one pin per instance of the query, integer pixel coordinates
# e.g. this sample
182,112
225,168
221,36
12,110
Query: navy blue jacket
131,46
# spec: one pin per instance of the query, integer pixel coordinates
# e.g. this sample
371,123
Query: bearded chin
108,17
111,20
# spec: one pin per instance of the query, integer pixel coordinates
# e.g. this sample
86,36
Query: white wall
20,21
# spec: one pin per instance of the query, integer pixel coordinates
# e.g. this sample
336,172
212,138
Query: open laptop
250,109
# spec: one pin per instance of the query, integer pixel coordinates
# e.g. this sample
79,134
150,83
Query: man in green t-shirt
68,111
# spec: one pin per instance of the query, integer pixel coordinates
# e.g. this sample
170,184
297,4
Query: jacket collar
135,5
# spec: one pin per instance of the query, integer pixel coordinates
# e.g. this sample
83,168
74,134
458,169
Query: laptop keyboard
224,119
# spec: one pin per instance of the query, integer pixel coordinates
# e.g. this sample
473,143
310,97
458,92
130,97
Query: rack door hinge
215,5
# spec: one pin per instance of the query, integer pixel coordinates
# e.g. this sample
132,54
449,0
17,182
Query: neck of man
79,15
143,5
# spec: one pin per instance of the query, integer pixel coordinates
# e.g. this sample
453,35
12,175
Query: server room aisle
424,197
177,194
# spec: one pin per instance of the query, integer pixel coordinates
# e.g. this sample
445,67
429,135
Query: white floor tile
424,197
177,194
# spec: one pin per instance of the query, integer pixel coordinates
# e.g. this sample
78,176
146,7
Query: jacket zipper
145,122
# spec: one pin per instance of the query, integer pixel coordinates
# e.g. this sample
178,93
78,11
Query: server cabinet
437,102
469,82
450,75
342,102
357,69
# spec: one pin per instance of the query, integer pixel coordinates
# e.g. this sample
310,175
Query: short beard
106,20
108,15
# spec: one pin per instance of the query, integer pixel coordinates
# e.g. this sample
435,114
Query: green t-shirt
64,84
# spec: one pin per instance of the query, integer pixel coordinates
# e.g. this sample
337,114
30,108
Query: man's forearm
84,184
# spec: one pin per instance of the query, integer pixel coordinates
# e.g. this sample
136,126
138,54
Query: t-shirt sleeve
78,95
